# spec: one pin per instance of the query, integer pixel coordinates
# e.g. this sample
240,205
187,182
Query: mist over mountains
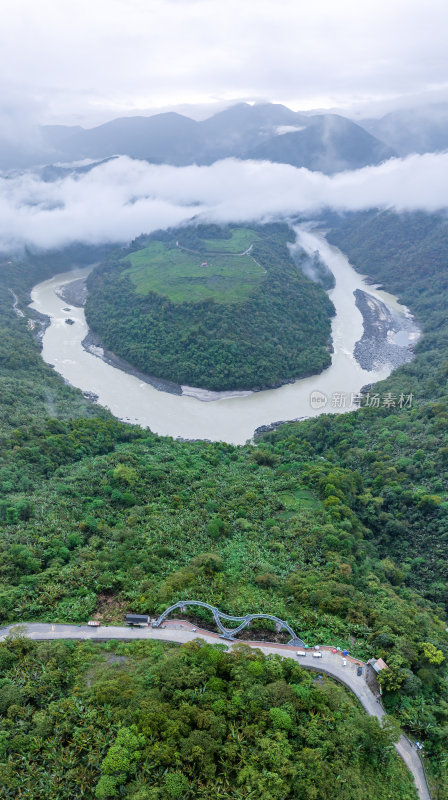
327,143
120,198
249,162
412,130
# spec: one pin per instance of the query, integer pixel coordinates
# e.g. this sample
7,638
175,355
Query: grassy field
240,240
178,275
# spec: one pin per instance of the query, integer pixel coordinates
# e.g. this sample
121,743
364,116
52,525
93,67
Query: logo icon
318,399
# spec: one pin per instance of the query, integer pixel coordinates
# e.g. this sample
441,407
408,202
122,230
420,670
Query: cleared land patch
184,276
240,240
301,498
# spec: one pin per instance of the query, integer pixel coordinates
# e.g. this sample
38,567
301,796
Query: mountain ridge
325,142
412,130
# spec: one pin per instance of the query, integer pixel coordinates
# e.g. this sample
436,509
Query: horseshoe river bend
371,335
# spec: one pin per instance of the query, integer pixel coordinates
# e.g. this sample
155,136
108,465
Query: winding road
180,631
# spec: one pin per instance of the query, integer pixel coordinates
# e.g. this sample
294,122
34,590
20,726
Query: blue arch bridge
219,616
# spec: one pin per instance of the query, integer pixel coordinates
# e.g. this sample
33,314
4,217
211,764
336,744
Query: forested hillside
152,722
403,457
337,524
203,319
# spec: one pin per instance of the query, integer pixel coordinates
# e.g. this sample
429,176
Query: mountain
325,142
168,137
56,136
238,129
54,172
413,130
38,145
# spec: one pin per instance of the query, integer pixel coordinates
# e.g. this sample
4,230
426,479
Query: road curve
181,632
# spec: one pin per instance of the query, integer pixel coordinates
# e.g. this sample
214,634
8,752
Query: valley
223,400
229,416
337,523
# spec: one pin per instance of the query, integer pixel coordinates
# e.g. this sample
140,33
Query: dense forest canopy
218,308
337,524
151,722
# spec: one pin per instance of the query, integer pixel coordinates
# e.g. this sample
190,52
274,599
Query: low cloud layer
123,198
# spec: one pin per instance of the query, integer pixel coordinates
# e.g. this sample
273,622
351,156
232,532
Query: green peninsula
220,308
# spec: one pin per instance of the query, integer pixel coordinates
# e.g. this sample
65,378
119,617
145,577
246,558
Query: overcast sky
85,61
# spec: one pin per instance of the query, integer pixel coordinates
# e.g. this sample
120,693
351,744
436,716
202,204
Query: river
203,415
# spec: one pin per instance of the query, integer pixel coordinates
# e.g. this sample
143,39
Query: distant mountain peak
268,131
413,130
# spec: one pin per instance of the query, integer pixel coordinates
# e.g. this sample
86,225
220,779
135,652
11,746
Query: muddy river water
229,417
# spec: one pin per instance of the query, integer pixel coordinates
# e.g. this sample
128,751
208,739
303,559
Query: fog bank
123,198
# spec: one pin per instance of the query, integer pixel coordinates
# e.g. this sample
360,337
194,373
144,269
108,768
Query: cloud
85,59
123,198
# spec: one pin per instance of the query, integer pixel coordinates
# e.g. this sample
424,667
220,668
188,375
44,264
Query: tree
432,654
124,474
377,738
390,679
280,719
106,787
120,759
176,784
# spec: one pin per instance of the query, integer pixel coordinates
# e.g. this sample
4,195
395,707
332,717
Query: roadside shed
374,667
137,619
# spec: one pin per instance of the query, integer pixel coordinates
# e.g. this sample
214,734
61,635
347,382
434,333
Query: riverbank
373,351
387,338
180,413
258,432
75,294
92,344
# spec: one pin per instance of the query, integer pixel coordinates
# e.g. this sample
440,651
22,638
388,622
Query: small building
377,664
374,667
137,619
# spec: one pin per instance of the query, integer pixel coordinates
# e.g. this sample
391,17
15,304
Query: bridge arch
218,616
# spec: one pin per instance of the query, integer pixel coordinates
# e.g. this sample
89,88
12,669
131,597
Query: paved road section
180,632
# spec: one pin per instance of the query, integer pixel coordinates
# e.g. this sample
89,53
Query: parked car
359,671
301,653
93,623
317,655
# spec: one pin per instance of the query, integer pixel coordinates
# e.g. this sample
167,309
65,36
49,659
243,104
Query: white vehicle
344,662
301,653
317,655
94,623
